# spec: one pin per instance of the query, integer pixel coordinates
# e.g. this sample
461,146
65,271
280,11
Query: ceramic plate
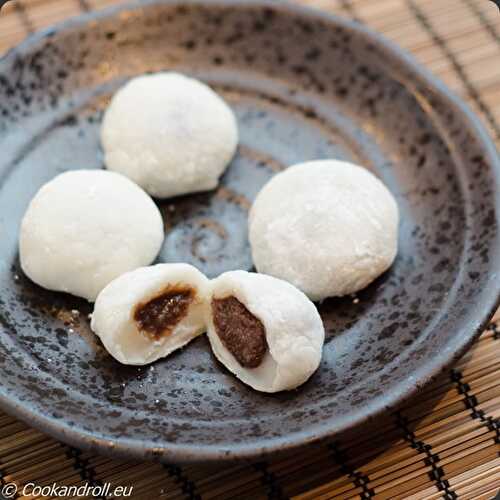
304,85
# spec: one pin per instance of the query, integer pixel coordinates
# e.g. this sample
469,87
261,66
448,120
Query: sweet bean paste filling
158,317
240,331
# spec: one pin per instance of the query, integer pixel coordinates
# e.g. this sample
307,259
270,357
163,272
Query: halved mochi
146,314
264,330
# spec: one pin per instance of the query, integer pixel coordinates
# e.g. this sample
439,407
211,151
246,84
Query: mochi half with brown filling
146,314
264,330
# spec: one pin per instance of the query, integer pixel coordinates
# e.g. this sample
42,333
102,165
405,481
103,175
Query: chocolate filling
160,315
240,331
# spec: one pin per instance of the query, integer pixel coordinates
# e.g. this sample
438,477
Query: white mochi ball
86,227
328,227
169,133
264,330
146,314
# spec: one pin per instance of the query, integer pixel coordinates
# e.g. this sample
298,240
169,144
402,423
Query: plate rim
186,453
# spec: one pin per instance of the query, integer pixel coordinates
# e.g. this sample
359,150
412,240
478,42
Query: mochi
170,134
328,227
86,227
264,330
148,313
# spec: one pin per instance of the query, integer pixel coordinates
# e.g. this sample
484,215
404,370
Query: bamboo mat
443,444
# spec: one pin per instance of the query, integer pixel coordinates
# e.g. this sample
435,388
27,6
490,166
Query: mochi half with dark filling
148,313
264,330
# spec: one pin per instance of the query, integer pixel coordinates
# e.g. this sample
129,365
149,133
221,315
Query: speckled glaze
304,86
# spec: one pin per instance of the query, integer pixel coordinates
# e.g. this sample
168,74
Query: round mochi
86,227
148,313
264,330
328,227
170,134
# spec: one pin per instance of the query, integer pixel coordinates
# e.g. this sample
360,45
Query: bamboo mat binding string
443,444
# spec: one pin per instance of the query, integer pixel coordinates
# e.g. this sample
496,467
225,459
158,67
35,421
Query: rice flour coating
328,227
170,134
86,227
